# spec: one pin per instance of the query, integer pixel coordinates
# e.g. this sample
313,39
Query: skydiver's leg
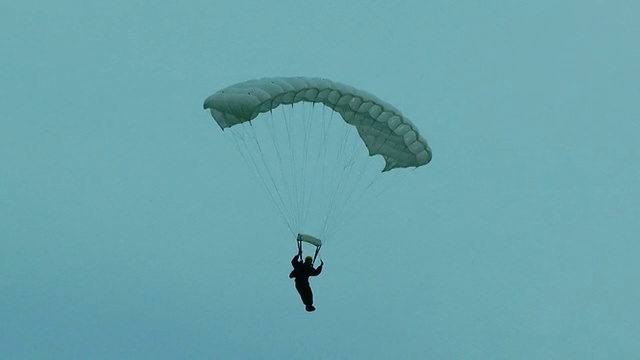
309,306
305,293
310,297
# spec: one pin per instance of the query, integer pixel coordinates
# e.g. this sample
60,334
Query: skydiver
301,272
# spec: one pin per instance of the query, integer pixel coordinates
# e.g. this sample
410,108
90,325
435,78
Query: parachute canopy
382,127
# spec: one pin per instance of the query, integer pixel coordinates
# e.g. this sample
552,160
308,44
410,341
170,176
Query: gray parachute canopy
382,127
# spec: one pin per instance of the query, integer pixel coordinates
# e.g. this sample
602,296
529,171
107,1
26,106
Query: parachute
302,157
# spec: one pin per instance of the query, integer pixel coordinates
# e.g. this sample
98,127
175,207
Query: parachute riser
315,255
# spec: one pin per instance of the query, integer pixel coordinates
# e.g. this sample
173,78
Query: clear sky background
130,229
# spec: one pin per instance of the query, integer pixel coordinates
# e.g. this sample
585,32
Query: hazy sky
130,228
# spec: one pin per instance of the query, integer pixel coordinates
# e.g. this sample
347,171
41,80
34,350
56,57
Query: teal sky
130,229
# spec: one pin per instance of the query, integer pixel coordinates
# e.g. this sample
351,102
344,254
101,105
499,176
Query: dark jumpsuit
301,272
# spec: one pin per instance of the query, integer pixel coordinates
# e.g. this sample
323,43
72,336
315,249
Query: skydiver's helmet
308,260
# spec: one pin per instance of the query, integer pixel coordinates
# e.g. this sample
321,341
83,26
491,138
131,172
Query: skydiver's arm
316,272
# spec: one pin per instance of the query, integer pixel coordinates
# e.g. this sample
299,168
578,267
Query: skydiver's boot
310,308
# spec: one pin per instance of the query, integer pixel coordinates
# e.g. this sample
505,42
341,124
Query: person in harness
301,273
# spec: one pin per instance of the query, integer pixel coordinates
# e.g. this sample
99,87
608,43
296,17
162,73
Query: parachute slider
310,239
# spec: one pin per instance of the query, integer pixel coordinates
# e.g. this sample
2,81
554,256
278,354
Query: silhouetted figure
301,272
